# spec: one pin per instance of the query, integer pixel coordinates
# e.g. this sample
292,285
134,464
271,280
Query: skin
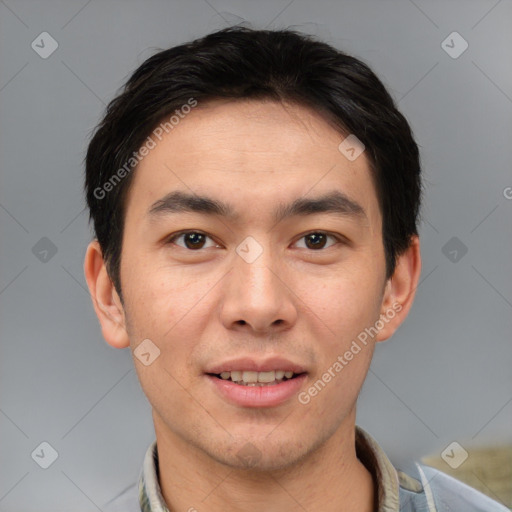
204,306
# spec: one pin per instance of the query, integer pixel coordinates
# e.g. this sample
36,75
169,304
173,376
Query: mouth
255,382
257,379
251,389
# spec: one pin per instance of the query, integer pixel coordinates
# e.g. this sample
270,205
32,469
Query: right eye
193,240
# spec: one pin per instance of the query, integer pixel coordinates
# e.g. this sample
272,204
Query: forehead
253,155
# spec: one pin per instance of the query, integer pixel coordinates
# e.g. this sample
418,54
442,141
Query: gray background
445,375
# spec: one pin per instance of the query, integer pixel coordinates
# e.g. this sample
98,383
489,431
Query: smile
248,391
251,378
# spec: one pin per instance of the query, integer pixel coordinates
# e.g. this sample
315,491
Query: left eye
195,240
317,239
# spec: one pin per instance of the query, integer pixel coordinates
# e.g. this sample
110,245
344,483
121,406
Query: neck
329,478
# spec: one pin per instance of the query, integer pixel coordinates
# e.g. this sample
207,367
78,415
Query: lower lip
258,396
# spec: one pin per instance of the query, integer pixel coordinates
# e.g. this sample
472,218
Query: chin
261,455
262,463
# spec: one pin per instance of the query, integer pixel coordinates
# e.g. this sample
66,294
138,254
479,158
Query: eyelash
174,237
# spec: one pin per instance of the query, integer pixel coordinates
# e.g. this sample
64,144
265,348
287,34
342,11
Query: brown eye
317,240
193,240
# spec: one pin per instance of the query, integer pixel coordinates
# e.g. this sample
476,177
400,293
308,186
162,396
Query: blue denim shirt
427,490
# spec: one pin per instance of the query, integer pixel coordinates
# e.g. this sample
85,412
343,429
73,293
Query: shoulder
429,487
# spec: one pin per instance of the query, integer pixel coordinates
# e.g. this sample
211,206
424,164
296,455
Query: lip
255,365
257,396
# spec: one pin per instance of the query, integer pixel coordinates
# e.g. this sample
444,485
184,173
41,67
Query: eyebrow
334,202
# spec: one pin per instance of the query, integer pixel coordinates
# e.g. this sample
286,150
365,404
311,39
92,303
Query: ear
105,298
400,290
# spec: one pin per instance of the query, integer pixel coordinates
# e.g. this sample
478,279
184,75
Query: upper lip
256,365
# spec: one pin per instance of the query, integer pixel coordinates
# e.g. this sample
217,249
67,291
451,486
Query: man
255,197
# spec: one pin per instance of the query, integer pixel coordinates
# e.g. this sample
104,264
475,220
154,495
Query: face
254,285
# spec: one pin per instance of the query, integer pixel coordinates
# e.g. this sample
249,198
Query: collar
367,450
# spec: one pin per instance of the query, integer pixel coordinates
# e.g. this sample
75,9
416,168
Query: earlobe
400,290
105,299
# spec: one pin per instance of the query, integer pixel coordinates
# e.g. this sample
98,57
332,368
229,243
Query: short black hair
244,63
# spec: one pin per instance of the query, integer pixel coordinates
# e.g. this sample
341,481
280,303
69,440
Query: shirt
427,490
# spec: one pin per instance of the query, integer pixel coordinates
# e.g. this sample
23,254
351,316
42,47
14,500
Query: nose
257,298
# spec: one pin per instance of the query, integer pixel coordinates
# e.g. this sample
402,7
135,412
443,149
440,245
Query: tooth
236,376
288,375
279,374
225,375
248,376
266,376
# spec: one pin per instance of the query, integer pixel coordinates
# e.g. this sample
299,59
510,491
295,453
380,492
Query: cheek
169,314
161,294
347,306
172,308
346,302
